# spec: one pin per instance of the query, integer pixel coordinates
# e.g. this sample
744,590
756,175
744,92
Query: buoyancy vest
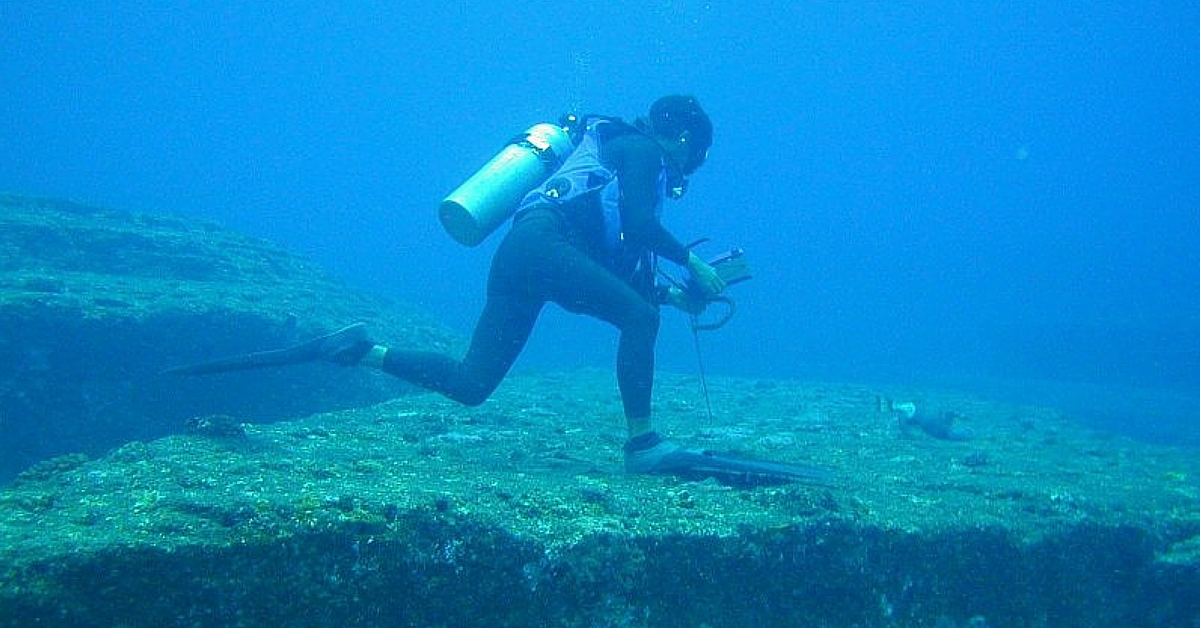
584,173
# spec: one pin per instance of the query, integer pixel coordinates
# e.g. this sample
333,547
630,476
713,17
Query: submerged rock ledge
95,303
419,512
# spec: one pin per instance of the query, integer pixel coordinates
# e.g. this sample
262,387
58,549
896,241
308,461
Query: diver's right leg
513,304
501,333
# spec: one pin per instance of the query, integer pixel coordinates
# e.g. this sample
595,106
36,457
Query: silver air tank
474,210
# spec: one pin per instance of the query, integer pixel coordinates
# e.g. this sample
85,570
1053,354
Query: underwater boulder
96,303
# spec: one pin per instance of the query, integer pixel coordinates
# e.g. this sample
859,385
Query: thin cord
700,364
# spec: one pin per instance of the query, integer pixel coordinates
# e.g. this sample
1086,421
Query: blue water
994,195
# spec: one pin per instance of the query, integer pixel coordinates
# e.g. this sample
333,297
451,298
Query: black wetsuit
554,254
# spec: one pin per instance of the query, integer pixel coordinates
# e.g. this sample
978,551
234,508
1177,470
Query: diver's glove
726,269
684,300
704,277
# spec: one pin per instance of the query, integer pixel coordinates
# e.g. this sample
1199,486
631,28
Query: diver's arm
704,275
638,162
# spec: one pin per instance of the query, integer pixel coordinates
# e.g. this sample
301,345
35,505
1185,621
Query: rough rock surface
95,303
419,512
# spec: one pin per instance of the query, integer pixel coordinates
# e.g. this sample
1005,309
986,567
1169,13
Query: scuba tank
473,211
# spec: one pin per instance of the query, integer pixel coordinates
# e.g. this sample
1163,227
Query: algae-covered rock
420,512
95,303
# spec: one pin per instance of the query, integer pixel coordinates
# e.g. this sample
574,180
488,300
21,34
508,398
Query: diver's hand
704,275
681,300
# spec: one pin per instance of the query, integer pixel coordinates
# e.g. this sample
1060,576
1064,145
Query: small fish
934,422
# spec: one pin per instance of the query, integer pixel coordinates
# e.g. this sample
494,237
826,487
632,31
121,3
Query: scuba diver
587,238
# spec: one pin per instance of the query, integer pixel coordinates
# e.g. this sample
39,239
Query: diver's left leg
595,291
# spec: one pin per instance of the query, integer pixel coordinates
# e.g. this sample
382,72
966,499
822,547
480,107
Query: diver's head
684,130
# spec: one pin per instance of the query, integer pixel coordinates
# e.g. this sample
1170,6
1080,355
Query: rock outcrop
421,512
95,303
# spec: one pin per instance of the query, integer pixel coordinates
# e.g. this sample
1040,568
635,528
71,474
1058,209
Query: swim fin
330,347
666,458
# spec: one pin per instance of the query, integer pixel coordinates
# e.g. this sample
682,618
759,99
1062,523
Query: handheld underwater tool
732,268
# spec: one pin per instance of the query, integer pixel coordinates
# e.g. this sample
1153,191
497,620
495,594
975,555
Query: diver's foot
346,346
650,453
